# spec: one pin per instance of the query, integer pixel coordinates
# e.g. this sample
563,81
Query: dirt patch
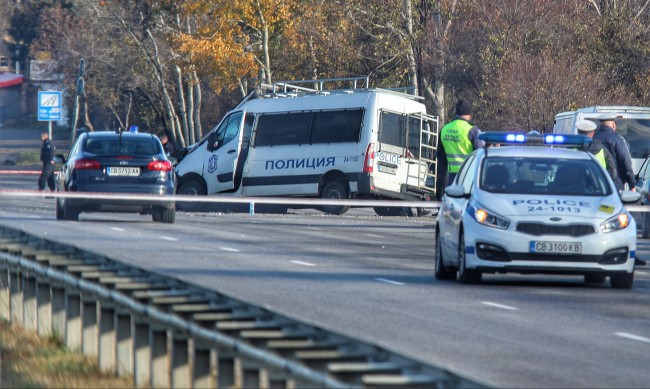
31,362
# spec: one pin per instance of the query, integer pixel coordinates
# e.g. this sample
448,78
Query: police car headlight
618,222
488,218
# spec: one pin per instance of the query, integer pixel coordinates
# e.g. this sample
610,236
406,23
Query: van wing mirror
213,141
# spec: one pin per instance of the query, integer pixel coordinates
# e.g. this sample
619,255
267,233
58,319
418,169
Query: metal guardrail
167,333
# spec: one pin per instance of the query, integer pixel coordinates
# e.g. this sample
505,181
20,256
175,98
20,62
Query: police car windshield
568,177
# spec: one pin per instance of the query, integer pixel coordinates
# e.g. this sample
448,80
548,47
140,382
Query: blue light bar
535,138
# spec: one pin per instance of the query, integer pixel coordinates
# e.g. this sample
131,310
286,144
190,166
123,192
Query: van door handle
231,151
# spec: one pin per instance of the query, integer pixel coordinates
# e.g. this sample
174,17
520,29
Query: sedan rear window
544,176
115,146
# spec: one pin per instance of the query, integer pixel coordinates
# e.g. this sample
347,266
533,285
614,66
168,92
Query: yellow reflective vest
455,140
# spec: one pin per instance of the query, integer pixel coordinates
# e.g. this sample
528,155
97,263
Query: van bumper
366,188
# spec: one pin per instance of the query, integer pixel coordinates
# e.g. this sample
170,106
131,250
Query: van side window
229,129
283,129
336,126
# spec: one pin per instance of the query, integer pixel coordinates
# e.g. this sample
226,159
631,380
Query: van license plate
556,247
123,171
387,169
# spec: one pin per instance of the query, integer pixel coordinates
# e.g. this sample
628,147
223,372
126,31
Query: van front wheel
335,190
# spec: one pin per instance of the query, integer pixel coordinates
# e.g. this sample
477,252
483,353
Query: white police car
530,208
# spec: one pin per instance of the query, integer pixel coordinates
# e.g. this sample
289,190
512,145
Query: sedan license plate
123,171
387,169
556,247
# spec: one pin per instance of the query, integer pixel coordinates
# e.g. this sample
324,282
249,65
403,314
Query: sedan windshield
544,176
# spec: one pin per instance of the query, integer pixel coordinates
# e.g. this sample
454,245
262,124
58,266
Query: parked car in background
643,187
116,162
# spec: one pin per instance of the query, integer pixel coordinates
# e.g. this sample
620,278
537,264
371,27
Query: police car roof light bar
535,138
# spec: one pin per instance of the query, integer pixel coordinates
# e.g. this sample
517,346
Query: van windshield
637,135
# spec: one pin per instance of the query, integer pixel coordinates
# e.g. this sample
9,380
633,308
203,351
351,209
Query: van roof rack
328,86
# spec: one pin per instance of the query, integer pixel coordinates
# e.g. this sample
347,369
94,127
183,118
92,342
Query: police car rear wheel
335,190
441,272
59,211
466,276
70,213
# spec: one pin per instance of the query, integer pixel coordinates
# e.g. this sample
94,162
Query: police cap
606,117
586,126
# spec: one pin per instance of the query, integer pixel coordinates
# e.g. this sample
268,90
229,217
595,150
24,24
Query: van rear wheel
335,190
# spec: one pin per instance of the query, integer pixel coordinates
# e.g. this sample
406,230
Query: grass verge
31,362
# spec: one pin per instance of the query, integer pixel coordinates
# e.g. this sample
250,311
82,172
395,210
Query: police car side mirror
629,197
213,141
455,191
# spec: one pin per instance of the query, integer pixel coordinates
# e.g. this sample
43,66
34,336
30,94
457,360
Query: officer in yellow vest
596,147
456,141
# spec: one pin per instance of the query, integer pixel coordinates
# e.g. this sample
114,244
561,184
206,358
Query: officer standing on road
457,140
596,147
47,157
619,151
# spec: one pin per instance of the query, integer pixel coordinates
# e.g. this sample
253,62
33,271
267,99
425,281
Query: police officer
457,140
167,145
619,151
47,157
596,147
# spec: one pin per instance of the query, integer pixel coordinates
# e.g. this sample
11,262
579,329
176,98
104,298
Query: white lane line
229,249
633,337
168,238
303,263
389,281
118,229
374,236
495,305
641,273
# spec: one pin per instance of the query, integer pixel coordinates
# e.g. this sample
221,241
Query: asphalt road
372,278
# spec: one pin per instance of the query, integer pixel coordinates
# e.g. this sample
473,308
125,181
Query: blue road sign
49,106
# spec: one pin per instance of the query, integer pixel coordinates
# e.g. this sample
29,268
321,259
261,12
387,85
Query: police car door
223,148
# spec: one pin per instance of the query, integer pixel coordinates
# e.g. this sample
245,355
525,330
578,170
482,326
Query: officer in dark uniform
619,151
47,157
597,148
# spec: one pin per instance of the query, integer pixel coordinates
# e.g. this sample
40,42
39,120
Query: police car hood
536,206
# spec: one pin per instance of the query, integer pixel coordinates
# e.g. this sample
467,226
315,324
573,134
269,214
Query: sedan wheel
622,281
466,276
442,273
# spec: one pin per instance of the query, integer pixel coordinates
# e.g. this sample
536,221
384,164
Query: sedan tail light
87,164
163,166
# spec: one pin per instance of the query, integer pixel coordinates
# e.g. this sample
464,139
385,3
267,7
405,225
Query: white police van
632,123
356,142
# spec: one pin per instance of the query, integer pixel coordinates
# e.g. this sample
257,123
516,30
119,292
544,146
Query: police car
532,206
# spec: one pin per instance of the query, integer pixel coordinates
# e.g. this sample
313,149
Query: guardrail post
58,311
29,302
204,369
141,354
16,299
253,375
5,299
180,353
124,344
160,360
73,321
89,327
107,345
44,310
227,371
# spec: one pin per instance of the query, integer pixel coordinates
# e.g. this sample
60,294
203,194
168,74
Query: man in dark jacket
619,151
47,157
597,148
457,140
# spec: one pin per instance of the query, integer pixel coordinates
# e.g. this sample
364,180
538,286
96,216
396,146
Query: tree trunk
197,107
182,104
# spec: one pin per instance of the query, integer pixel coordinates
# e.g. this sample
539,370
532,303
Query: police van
348,141
632,123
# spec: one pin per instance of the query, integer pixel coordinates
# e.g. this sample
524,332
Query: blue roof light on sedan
533,138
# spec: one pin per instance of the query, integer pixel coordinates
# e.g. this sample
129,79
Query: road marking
168,238
495,305
633,337
118,229
374,236
303,263
229,249
389,281
641,273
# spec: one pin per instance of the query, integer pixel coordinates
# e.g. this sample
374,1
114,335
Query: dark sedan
116,162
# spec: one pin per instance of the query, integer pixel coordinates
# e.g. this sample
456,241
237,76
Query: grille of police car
537,229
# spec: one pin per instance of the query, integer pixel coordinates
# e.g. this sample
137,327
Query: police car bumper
496,250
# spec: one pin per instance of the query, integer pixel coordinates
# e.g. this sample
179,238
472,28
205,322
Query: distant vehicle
355,142
643,187
535,209
632,123
4,64
116,162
